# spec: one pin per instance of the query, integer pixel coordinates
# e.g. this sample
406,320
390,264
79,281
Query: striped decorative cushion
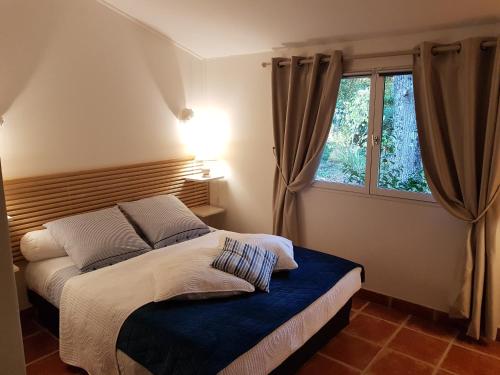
164,220
248,262
97,239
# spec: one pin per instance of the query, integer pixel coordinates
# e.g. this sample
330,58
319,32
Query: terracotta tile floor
384,341
379,340
41,350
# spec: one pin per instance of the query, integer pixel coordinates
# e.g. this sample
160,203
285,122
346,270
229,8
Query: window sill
362,192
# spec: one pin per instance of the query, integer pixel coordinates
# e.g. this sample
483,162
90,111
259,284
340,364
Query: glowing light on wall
206,135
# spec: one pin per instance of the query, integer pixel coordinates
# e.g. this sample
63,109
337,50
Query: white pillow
40,245
280,246
194,278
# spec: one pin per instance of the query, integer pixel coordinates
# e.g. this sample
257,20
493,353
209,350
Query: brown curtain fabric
457,97
304,97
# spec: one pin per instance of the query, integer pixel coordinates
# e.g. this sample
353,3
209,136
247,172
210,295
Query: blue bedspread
203,337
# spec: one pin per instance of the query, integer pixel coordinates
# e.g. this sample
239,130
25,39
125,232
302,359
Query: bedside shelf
200,178
206,210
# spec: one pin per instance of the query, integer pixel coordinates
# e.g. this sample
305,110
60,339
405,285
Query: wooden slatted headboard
34,201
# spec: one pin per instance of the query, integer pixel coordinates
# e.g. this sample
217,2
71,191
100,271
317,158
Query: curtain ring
299,64
279,64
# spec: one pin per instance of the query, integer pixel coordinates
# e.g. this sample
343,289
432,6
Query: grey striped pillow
164,220
251,263
97,239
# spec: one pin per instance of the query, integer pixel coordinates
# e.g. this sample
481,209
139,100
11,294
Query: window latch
375,140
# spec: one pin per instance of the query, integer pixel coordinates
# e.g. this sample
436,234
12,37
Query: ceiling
215,28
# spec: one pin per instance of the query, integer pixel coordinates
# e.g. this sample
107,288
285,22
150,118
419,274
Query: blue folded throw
204,337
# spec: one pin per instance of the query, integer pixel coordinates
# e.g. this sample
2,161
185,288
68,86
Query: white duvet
94,305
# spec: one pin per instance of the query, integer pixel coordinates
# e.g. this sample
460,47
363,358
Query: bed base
316,342
45,313
48,316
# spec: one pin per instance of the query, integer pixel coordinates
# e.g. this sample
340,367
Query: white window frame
351,187
375,114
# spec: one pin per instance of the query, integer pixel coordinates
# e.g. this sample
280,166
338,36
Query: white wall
410,250
84,87
11,344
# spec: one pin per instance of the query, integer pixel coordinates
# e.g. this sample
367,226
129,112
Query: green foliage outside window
344,155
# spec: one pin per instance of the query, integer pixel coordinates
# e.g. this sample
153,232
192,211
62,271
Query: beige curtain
304,97
458,114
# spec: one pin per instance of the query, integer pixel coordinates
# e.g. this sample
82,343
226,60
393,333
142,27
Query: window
373,144
400,162
344,156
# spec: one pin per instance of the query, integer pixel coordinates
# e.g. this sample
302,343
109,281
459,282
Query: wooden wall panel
33,201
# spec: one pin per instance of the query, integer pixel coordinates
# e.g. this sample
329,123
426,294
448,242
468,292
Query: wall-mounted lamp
205,134
185,114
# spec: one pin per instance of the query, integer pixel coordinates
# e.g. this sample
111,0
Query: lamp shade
207,134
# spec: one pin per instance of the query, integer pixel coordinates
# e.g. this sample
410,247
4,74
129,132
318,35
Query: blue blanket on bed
203,337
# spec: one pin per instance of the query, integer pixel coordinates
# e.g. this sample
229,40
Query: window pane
400,161
344,156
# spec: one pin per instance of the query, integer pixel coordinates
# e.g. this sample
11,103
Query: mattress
47,278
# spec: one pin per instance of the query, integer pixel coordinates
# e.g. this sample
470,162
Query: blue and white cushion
251,263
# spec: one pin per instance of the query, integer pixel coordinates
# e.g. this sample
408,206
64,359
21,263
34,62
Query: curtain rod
415,51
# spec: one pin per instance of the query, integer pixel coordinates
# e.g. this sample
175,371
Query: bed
252,333
316,321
